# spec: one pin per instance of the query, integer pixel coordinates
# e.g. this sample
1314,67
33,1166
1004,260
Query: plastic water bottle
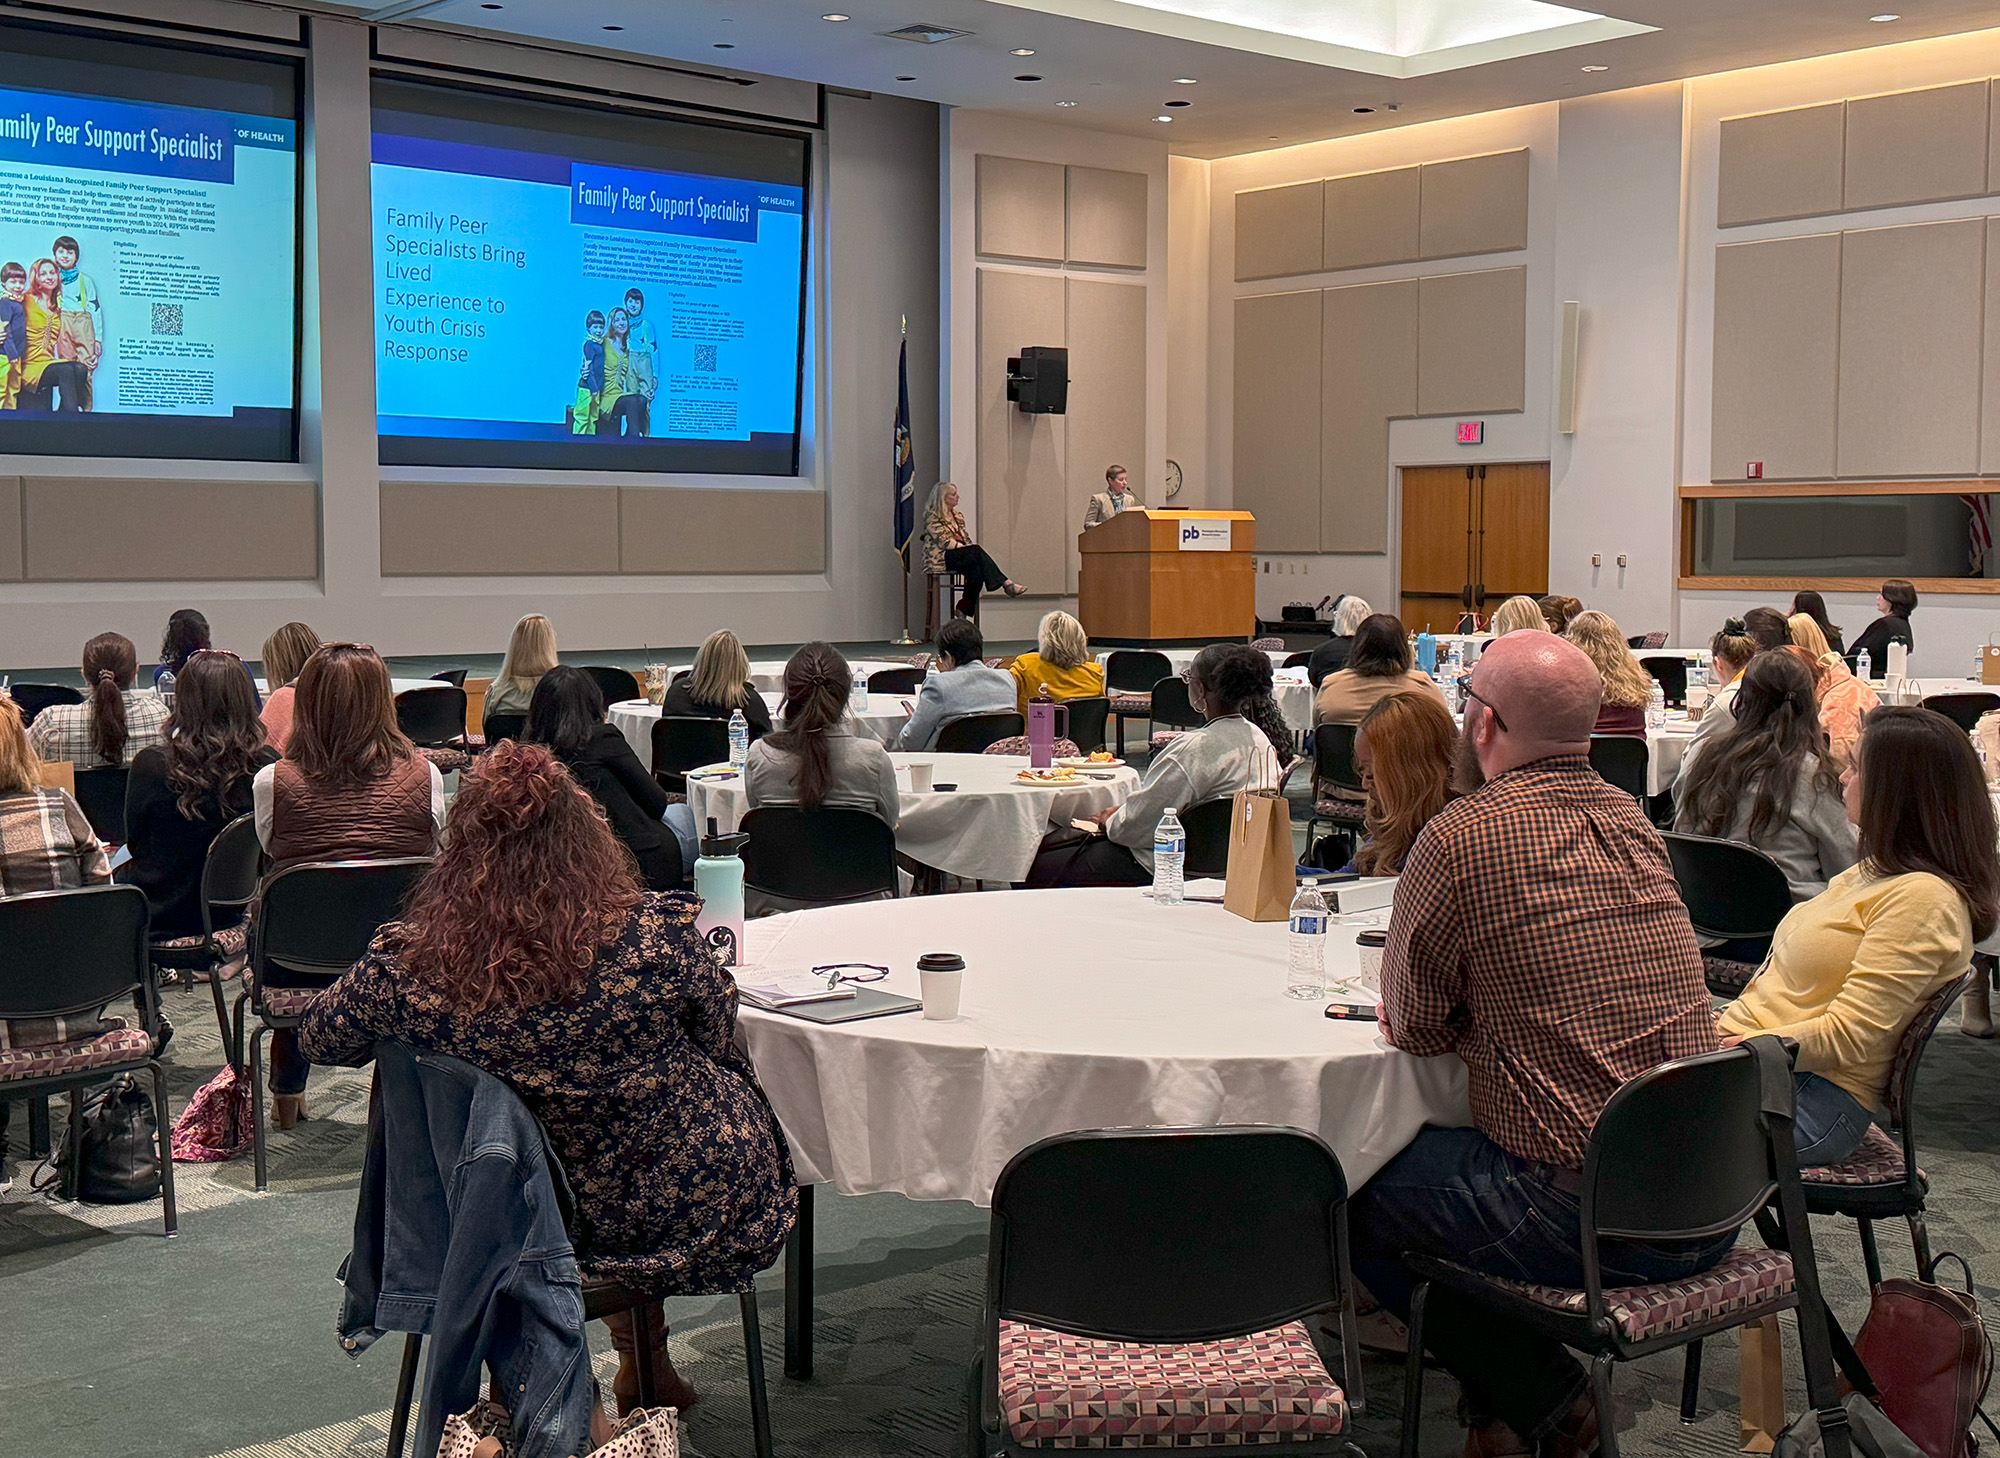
1865,665
165,686
1656,706
1305,972
739,739
857,696
1169,859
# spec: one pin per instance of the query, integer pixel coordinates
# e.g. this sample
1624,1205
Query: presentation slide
536,309
147,278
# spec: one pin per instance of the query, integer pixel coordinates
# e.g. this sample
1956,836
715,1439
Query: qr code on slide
166,318
704,358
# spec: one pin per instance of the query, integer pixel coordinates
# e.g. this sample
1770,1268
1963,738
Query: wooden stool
941,591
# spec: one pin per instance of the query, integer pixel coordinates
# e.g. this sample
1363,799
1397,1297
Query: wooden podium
1168,577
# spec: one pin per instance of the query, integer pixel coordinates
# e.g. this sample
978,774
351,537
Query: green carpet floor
115,1341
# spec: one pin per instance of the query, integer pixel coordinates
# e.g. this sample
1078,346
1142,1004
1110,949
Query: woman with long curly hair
1404,752
1627,686
530,950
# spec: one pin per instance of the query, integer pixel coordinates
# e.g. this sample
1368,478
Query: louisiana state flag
905,467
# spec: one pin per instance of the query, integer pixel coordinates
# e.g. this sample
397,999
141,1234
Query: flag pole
906,640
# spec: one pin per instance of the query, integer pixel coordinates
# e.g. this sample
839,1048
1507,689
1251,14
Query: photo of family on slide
620,373
51,332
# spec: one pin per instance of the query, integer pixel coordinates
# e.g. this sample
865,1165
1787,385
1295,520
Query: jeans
289,1069
680,820
1456,1194
1828,1122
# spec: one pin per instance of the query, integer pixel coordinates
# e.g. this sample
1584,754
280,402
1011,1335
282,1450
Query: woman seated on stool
567,714
530,950
350,788
718,685
1061,667
1627,685
948,547
1766,780
1849,968
1405,752
1228,753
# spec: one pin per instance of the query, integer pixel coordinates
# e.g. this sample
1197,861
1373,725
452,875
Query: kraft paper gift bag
1762,1403
1262,874
58,774
1989,660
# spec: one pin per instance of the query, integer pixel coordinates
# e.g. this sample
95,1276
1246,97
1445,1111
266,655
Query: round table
767,675
988,829
1916,690
1081,1009
881,721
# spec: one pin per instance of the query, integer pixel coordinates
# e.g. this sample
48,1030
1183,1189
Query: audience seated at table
1537,933
1405,752
1378,664
959,685
1814,606
1849,968
1844,700
1331,656
1061,667
184,790
1768,628
187,632
1518,614
115,720
530,951
1228,753
1558,611
567,715
531,652
718,685
46,843
350,787
1895,602
1768,781
1729,652
1627,686
285,653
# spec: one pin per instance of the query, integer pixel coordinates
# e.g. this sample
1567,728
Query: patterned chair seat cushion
123,1045
1018,744
1722,972
1268,645
1877,1162
1137,705
289,1002
1346,812
231,941
1747,1276
447,760
1163,737
1269,1388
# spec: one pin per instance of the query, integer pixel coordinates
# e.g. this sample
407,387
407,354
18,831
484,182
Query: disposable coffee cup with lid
941,975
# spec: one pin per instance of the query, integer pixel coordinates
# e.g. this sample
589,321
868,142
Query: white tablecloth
881,721
988,829
1915,690
768,674
1666,747
1186,1023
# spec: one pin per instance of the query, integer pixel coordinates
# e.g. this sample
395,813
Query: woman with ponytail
115,720
530,950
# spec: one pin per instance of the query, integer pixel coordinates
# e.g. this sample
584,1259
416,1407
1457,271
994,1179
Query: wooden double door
1473,536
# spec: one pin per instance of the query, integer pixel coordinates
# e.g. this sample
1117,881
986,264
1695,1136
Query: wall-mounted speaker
1038,381
1566,371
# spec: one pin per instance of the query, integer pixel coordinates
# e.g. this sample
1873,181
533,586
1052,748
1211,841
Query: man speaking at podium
1115,497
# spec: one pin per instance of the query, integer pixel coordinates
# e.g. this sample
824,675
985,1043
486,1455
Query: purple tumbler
1042,731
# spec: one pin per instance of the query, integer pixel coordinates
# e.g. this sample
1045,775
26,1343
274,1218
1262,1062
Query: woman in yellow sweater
1849,968
1061,667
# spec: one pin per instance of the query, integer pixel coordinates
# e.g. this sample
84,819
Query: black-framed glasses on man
1473,693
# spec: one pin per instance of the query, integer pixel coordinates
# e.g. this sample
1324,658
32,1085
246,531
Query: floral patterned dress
682,1179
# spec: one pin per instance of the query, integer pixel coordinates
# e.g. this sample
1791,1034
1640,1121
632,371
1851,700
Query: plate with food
1055,775
1102,759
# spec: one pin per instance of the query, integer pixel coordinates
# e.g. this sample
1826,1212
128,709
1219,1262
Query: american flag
1978,532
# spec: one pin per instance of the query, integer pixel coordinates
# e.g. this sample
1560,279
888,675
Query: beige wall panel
1023,518
1371,219
1019,208
1107,217
1910,327
1474,205
1368,376
1993,136
10,528
471,529
1784,164
1472,342
1777,361
1989,427
1107,397
1916,146
1276,468
223,531
676,530
1278,231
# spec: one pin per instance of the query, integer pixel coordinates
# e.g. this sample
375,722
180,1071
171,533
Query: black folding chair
1086,721
1117,1241
229,876
682,742
1671,673
1734,892
1880,1180
895,680
1689,1150
68,954
1296,660
616,684
313,922
432,718
100,793
1129,676
32,698
971,733
1171,706
1963,709
497,727
821,856
1333,765
1621,759
453,676
1207,827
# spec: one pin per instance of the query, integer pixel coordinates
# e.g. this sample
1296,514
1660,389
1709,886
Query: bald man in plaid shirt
1537,933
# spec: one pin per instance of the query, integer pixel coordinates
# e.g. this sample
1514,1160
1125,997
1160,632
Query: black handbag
117,1155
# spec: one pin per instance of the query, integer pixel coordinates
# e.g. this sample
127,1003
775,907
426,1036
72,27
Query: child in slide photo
589,379
82,314
13,332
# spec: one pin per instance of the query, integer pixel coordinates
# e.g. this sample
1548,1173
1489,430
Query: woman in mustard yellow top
46,377
1849,968
1061,666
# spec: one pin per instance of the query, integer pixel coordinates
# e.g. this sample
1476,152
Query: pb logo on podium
1204,536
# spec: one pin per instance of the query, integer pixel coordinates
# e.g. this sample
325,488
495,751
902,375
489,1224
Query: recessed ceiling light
1177,103
1184,80
1163,118
1884,19
1363,110
1020,51
835,15
1027,78
1065,103
1594,69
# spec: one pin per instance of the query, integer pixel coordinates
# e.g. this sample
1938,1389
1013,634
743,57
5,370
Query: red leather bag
1931,1359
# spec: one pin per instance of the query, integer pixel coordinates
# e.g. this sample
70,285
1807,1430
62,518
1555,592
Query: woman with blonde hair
531,652
1844,700
285,653
948,547
718,685
1061,667
1627,686
1403,751
1516,615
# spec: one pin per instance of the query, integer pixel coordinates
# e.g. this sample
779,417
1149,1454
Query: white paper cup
920,774
1371,962
940,990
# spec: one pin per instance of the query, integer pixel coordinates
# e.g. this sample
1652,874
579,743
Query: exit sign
1471,432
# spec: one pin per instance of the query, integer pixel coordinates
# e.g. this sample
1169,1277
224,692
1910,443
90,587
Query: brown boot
1975,1010
669,1387
287,1110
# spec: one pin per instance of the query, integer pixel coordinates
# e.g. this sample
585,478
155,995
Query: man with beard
1538,934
